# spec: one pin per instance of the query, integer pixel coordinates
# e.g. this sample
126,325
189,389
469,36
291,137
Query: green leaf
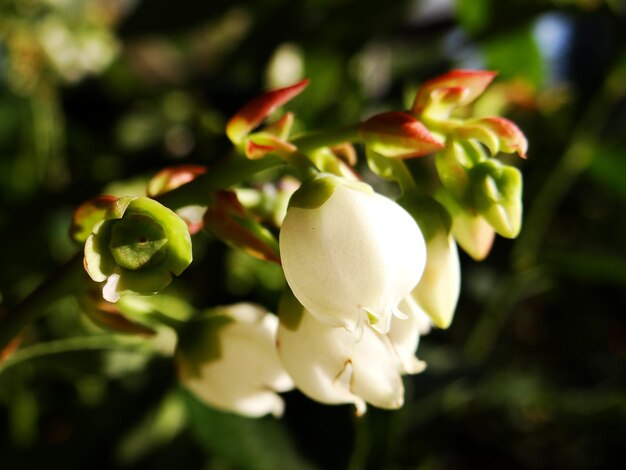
518,43
609,169
253,444
473,15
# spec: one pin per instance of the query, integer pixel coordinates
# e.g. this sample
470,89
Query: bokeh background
99,95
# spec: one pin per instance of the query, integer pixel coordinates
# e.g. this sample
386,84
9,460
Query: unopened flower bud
497,195
470,230
439,96
398,135
259,108
438,291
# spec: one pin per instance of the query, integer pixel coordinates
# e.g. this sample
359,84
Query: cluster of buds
366,275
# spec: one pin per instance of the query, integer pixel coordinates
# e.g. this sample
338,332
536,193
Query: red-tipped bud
396,134
172,177
510,137
253,113
229,220
455,88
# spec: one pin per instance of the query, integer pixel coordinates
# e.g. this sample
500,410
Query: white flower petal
109,291
331,365
245,375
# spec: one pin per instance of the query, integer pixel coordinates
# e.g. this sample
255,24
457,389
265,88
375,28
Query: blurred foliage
531,373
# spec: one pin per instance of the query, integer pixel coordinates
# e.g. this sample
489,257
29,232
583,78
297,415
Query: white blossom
229,361
334,366
352,258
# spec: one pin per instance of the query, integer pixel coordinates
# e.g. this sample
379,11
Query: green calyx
137,242
316,191
146,245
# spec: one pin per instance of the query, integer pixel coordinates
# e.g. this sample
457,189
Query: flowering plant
370,272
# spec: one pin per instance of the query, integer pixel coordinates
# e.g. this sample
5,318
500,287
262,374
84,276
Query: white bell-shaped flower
350,254
229,360
438,292
335,366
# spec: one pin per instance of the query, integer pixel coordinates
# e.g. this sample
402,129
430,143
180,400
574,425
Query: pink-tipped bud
455,88
172,177
229,220
396,134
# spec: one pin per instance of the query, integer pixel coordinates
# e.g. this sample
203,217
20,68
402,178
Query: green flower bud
138,248
497,196
438,291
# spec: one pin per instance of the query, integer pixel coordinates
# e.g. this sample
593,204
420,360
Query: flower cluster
366,275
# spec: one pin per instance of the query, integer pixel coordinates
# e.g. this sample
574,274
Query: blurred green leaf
608,168
593,267
514,54
156,430
474,15
254,444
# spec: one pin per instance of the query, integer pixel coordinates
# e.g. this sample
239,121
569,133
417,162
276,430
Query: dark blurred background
96,96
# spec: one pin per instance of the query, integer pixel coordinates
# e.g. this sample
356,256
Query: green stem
81,343
374,439
235,169
55,287
404,177
301,164
307,143
223,175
